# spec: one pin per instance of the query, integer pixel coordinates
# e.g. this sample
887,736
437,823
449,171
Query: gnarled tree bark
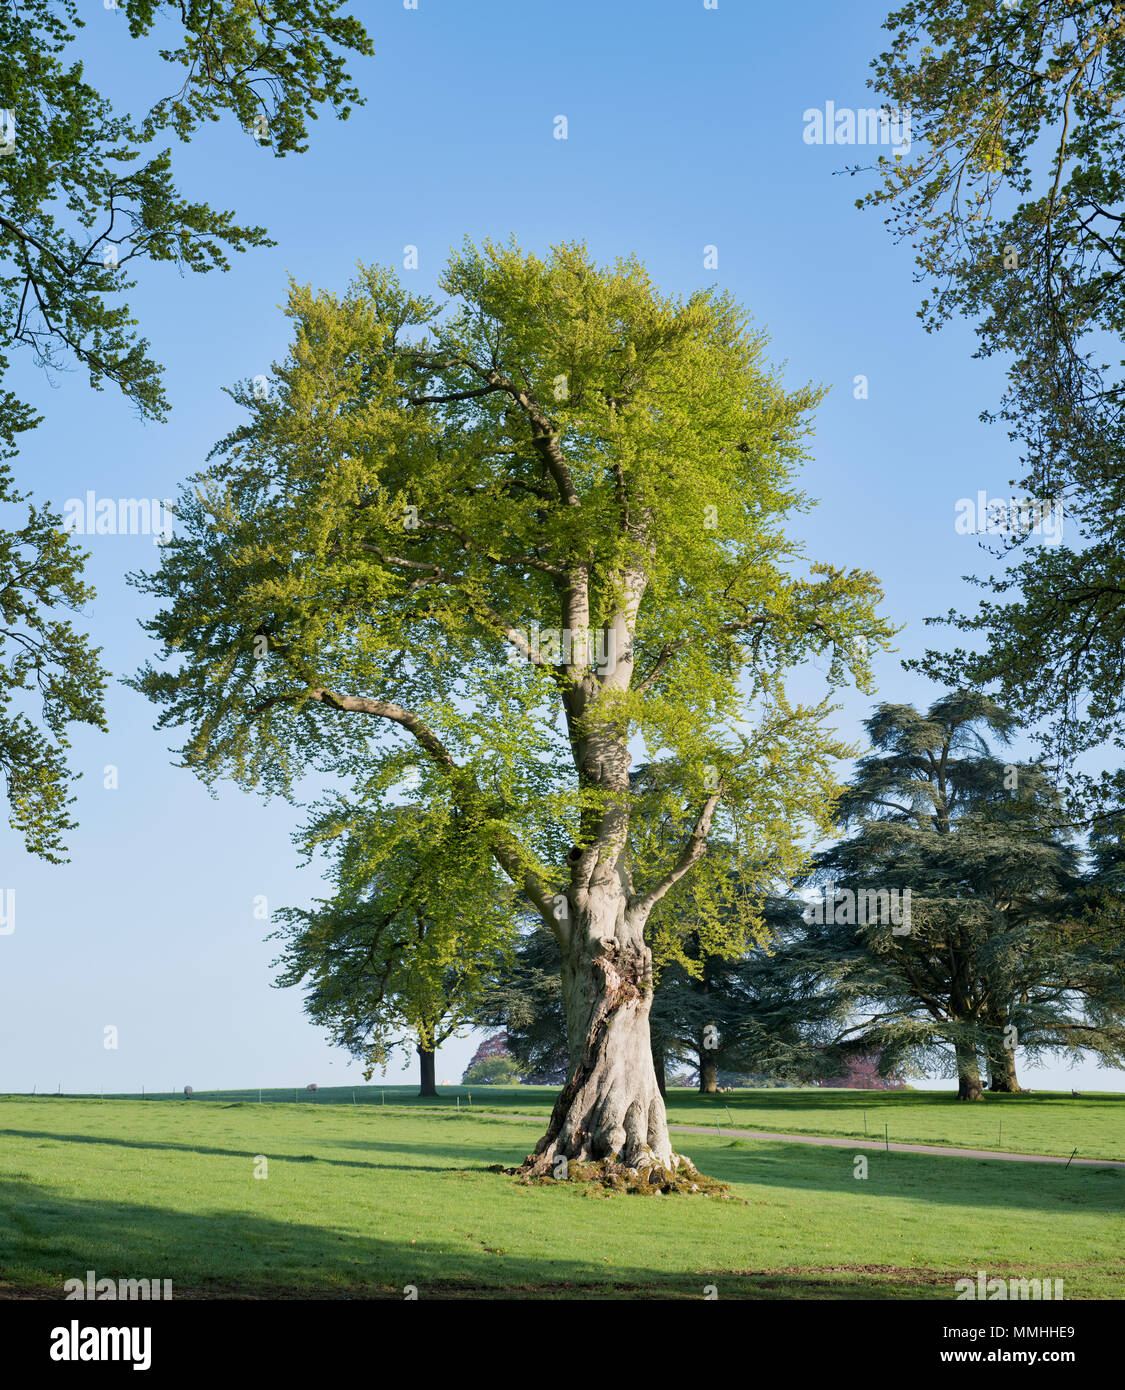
610,1108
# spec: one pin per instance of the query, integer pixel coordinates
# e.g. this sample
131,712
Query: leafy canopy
410,938
364,572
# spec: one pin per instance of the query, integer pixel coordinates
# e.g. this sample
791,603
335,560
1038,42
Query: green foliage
723,1018
1013,198
50,676
80,194
755,1027
559,446
997,939
492,1071
526,1001
83,194
417,926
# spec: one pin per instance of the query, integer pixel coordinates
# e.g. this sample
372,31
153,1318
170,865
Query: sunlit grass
366,1200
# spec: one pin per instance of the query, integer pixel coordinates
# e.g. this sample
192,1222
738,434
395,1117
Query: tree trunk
610,1109
708,1072
1002,1071
658,1068
426,1060
609,1116
968,1073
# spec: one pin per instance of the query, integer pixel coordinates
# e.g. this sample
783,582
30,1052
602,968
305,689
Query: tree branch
695,847
670,649
504,849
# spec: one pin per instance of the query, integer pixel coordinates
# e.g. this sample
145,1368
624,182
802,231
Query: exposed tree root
647,1179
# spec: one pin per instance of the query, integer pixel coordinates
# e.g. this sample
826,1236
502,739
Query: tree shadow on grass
243,1255
208,1149
484,1155
957,1182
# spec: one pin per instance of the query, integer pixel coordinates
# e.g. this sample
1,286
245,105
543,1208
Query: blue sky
685,130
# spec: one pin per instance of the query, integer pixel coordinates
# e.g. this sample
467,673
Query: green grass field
364,1200
1045,1123
1050,1123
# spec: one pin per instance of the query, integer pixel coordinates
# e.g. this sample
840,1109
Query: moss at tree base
614,1176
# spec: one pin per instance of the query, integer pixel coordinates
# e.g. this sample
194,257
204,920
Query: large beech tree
514,540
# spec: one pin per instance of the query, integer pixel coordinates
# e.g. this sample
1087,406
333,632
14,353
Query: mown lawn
366,1200
1047,1122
